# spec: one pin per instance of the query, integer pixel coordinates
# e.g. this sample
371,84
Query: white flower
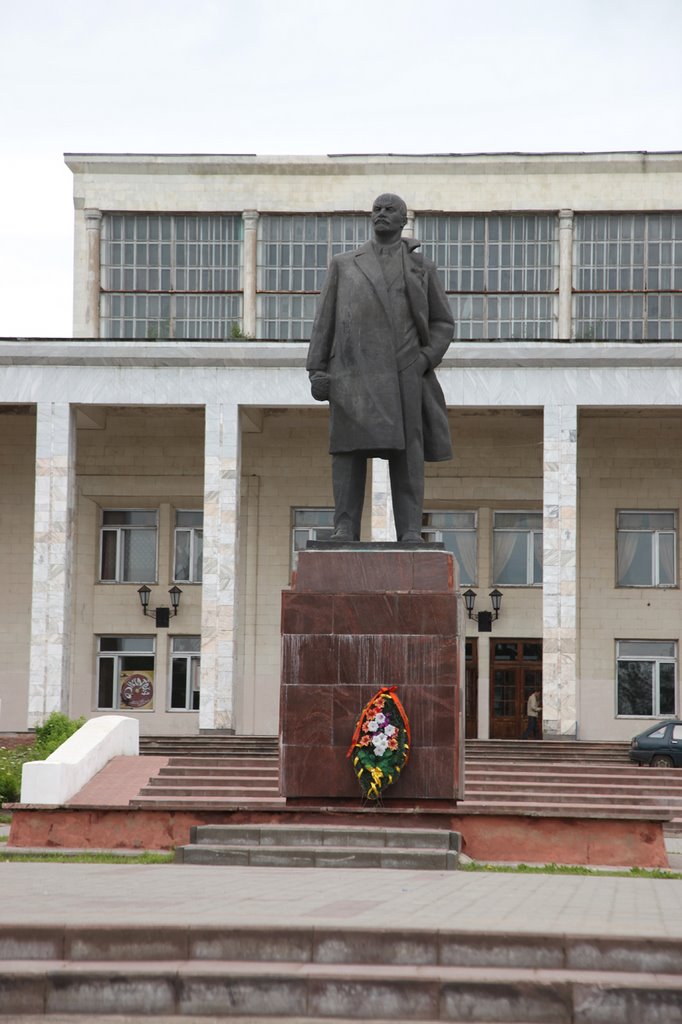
390,729
373,725
380,744
381,718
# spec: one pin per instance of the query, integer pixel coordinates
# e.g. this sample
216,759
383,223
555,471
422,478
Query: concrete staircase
294,846
321,973
501,777
213,772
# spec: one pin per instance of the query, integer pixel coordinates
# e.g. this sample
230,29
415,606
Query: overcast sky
308,77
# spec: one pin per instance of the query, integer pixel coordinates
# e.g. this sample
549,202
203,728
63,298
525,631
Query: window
647,672
189,546
628,277
457,531
294,253
500,272
310,524
128,546
125,673
646,549
517,548
185,673
170,276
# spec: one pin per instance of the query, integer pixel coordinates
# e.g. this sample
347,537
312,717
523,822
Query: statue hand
423,363
319,386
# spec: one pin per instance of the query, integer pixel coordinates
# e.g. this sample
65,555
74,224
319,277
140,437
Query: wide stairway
342,974
501,777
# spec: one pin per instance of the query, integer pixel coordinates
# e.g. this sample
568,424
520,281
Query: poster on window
137,690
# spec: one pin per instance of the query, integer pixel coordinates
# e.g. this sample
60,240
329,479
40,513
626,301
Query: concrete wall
627,459
17,461
134,458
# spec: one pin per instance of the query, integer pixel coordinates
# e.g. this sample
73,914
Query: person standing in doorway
533,710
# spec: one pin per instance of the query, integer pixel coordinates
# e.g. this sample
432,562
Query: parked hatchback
660,745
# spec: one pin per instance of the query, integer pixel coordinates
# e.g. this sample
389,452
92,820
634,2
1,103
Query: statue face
388,215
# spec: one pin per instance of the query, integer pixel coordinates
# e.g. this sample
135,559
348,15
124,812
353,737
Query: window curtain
627,548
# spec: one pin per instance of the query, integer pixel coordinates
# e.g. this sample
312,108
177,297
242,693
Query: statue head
389,215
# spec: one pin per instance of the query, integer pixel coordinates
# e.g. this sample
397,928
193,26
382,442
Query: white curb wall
66,771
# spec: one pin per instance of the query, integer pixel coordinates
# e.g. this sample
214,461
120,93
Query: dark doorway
471,690
515,671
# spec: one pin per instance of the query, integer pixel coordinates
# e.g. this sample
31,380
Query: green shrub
56,729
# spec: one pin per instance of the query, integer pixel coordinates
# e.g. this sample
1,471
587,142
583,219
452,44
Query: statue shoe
411,537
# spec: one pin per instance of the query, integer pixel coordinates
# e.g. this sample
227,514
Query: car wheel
661,761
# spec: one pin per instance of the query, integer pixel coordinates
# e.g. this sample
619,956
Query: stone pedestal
352,622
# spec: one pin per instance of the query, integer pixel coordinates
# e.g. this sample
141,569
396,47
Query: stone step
199,782
180,769
325,835
540,787
317,857
320,973
242,799
268,990
493,769
321,847
170,792
577,809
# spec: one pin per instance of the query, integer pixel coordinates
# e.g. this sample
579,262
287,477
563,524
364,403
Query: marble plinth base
352,622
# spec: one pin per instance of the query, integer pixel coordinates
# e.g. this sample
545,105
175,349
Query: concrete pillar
48,688
408,230
93,233
559,571
383,524
565,273
250,220
222,470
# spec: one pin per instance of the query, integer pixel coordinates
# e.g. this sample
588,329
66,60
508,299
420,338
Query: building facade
173,443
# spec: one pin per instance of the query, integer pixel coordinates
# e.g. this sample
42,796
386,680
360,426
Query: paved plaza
146,895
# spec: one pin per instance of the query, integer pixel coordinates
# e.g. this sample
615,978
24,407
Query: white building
163,426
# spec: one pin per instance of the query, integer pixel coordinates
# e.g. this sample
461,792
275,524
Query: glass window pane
666,559
510,558
646,520
197,566
179,683
635,567
646,648
518,520
186,643
105,689
182,553
666,684
635,688
139,556
129,517
126,643
109,547
189,518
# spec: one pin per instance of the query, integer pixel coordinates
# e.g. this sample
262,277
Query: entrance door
471,690
515,671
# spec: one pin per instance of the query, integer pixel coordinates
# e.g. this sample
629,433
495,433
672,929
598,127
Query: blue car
659,746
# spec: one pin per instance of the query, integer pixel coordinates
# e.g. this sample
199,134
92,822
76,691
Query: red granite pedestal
352,622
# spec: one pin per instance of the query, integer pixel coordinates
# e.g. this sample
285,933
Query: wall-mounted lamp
162,614
484,618
496,598
469,601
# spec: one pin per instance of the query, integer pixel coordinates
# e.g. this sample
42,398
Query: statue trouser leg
406,467
349,473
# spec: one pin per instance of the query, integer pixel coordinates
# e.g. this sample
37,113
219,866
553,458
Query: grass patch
5,818
568,869
91,858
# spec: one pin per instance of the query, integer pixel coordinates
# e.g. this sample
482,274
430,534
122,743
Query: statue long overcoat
355,340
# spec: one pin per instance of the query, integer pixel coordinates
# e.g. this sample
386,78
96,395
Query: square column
222,472
559,686
55,473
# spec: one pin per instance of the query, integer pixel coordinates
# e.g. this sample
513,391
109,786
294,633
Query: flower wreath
381,742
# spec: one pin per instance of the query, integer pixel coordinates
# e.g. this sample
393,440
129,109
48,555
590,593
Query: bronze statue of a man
383,323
